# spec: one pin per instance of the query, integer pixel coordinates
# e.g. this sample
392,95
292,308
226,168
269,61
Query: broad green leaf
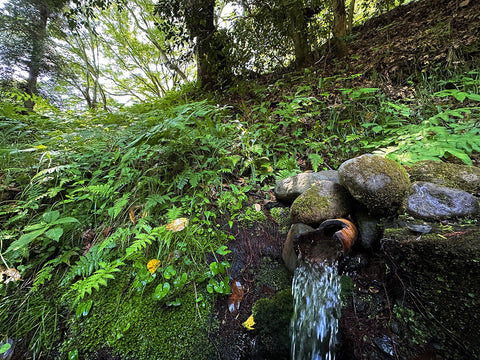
54,233
24,240
51,216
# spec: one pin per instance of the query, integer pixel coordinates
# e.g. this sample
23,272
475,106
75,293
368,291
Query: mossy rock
462,177
324,200
272,323
378,183
440,273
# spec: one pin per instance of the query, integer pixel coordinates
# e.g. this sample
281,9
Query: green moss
281,216
272,322
273,275
346,283
135,326
447,174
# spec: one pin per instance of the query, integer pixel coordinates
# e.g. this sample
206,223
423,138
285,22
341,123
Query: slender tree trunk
339,28
351,12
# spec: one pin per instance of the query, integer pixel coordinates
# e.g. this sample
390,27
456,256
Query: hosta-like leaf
54,233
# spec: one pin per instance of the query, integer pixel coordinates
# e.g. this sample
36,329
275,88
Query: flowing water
316,293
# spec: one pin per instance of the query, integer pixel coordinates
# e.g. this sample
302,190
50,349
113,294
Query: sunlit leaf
177,224
4,348
153,265
11,275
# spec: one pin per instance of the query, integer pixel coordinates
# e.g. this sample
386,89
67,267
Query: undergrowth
152,190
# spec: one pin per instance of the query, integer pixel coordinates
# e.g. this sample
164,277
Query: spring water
316,293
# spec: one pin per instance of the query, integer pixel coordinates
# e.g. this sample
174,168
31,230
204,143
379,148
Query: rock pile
368,188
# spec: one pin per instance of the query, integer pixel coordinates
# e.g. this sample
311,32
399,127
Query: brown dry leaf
11,274
153,265
177,225
131,215
236,297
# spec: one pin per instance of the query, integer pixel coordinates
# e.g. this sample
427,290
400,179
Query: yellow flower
249,323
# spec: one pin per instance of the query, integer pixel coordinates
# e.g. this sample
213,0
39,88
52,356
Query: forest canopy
95,52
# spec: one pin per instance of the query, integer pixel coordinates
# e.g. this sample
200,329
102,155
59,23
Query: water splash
316,293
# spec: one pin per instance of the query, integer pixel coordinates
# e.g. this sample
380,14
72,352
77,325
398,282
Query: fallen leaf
131,215
177,224
249,323
236,296
153,265
11,274
258,207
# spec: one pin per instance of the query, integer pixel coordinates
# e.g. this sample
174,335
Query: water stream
316,293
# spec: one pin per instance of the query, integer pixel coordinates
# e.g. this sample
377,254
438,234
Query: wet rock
287,190
419,228
324,200
385,344
289,255
369,230
430,201
379,184
462,177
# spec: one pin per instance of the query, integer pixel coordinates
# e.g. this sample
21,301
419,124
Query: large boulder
287,190
463,177
324,200
431,201
378,183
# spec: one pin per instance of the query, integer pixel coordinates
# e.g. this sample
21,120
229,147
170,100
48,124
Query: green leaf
54,233
24,240
51,216
73,355
5,347
161,291
223,250
65,220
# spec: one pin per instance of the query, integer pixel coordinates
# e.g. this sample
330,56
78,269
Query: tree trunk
298,30
38,52
199,17
339,28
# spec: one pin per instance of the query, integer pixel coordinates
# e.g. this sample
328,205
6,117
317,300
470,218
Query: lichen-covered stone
431,201
324,200
287,190
289,255
378,183
463,177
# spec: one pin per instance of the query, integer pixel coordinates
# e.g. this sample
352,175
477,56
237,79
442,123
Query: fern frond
100,277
